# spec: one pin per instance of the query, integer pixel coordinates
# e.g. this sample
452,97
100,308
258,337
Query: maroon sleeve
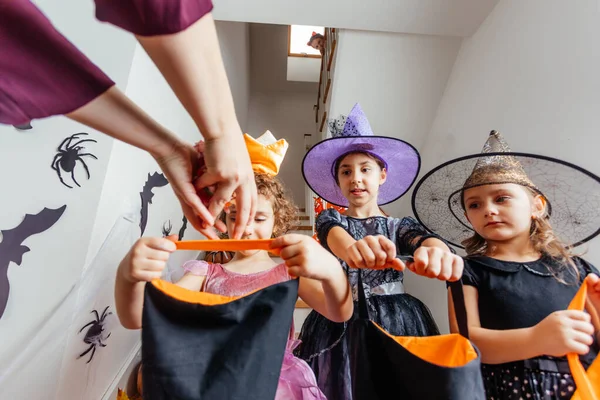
41,72
152,17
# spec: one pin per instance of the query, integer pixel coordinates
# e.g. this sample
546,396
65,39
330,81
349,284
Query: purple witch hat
350,134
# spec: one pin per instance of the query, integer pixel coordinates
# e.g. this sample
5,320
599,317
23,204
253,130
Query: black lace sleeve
327,220
410,234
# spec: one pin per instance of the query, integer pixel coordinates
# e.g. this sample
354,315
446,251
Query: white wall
288,116
41,287
234,40
276,104
303,69
531,72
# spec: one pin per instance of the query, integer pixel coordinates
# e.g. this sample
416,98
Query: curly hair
542,237
285,212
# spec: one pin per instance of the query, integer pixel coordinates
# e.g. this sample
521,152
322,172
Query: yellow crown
266,153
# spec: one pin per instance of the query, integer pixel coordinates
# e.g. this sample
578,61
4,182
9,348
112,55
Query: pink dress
297,380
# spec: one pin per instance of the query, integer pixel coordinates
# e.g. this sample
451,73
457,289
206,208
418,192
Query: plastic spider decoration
69,152
166,228
95,333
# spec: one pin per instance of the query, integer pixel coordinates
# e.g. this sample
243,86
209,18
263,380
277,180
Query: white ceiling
430,17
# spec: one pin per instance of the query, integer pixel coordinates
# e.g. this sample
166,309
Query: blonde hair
542,237
285,212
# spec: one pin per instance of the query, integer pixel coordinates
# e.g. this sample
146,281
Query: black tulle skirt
325,344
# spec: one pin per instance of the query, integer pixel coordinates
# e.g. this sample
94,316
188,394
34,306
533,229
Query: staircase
325,81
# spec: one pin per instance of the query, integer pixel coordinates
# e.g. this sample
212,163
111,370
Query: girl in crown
360,171
322,283
519,276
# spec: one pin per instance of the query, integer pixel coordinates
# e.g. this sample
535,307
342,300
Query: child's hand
594,291
434,262
147,259
305,257
563,332
373,252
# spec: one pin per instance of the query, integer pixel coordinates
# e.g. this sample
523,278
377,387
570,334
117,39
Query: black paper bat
155,180
23,127
11,248
183,227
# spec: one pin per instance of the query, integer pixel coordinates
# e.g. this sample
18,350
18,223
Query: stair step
301,304
303,228
303,218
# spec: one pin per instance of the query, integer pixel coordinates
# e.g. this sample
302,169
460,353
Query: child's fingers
147,276
458,266
159,255
152,265
576,315
366,255
388,247
295,267
449,265
578,347
285,240
593,281
354,258
421,259
373,255
584,328
290,251
583,338
172,238
160,244
396,264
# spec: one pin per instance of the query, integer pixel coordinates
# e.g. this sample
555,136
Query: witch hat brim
572,192
402,159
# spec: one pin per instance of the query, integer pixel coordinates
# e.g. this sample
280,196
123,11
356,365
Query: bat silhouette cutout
12,249
155,180
183,227
23,127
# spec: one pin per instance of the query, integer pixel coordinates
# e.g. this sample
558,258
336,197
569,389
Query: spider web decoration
69,152
573,195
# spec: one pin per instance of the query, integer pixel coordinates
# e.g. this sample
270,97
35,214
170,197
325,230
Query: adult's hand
229,170
179,167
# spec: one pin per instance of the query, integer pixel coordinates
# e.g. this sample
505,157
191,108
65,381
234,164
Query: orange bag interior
588,382
451,350
189,296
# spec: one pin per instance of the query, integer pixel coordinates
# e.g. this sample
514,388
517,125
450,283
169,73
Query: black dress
514,295
325,344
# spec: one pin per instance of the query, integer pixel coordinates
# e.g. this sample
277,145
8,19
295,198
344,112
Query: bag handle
363,310
460,310
585,389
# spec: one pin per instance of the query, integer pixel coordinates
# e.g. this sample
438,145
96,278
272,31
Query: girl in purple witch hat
361,171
